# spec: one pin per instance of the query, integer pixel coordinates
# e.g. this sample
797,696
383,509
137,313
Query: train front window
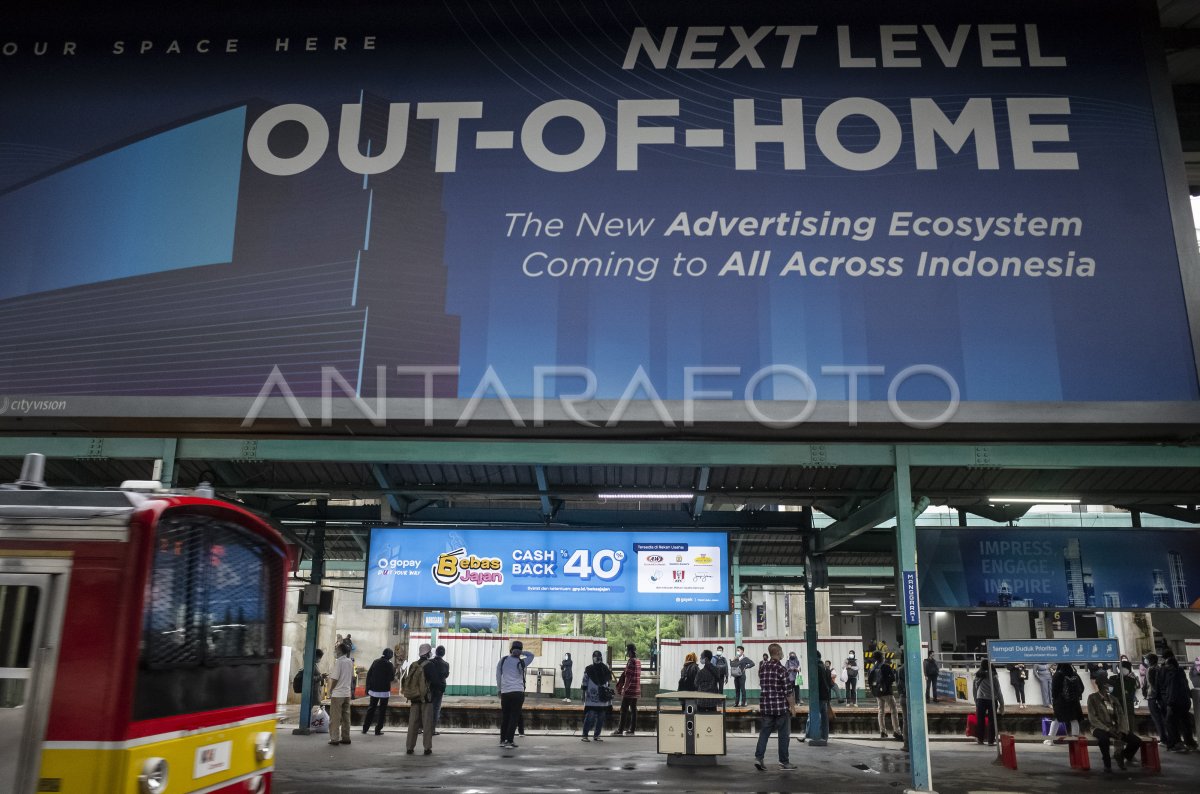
207,637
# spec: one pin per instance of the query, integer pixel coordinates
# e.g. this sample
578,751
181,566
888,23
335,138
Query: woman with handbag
597,697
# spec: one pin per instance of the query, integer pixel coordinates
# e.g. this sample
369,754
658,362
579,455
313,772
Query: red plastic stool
1078,749
1150,760
1008,750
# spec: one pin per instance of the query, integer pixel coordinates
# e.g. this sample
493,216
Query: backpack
880,682
520,664
873,679
414,685
298,681
722,665
1074,687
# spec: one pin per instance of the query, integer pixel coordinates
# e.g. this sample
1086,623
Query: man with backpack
722,666
881,681
415,687
510,681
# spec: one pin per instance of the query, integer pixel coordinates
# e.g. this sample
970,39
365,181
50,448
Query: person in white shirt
341,689
510,681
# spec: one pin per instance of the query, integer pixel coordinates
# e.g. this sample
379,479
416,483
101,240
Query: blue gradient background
1122,335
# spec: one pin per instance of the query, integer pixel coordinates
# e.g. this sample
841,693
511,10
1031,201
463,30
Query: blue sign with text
1052,651
736,202
434,620
547,570
1059,568
908,592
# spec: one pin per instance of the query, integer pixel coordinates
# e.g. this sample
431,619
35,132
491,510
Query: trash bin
691,727
544,684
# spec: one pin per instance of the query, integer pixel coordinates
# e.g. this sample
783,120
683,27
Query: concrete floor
472,763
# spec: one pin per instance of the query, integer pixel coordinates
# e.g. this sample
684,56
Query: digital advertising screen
753,205
547,570
1059,568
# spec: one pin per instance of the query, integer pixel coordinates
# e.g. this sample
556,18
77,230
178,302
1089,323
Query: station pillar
312,593
906,563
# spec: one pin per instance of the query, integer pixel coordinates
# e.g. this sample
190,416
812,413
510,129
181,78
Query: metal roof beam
999,513
1188,515
398,505
866,517
766,521
539,473
513,452
835,571
701,491
666,453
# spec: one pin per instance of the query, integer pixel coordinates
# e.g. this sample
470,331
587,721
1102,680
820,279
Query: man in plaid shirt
777,703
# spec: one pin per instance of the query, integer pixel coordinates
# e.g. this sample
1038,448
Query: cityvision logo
25,406
454,567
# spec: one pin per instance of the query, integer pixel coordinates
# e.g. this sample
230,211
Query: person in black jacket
708,677
931,676
687,676
436,673
568,675
1177,697
379,687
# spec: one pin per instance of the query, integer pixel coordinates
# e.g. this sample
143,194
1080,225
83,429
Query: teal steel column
906,560
314,617
737,599
168,476
810,642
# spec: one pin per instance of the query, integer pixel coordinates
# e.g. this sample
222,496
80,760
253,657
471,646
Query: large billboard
547,570
736,203
1059,568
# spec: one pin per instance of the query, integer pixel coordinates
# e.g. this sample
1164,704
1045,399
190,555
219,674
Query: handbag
605,693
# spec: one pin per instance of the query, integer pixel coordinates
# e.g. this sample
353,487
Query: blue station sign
908,592
1051,651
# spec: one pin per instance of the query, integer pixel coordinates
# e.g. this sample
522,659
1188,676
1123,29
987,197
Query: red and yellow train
140,638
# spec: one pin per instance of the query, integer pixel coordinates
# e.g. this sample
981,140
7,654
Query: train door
31,613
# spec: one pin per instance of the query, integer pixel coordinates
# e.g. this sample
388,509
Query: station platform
543,714
467,760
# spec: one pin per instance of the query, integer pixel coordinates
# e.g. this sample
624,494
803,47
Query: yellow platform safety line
76,768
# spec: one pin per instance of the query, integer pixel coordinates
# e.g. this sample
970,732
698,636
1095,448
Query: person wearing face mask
721,664
737,669
568,675
597,697
851,669
793,673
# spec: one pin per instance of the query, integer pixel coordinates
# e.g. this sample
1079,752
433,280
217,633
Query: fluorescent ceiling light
871,586
1034,500
867,601
977,614
664,496
850,612
847,606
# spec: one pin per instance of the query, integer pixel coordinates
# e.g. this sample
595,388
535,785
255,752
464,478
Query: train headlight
153,779
264,746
